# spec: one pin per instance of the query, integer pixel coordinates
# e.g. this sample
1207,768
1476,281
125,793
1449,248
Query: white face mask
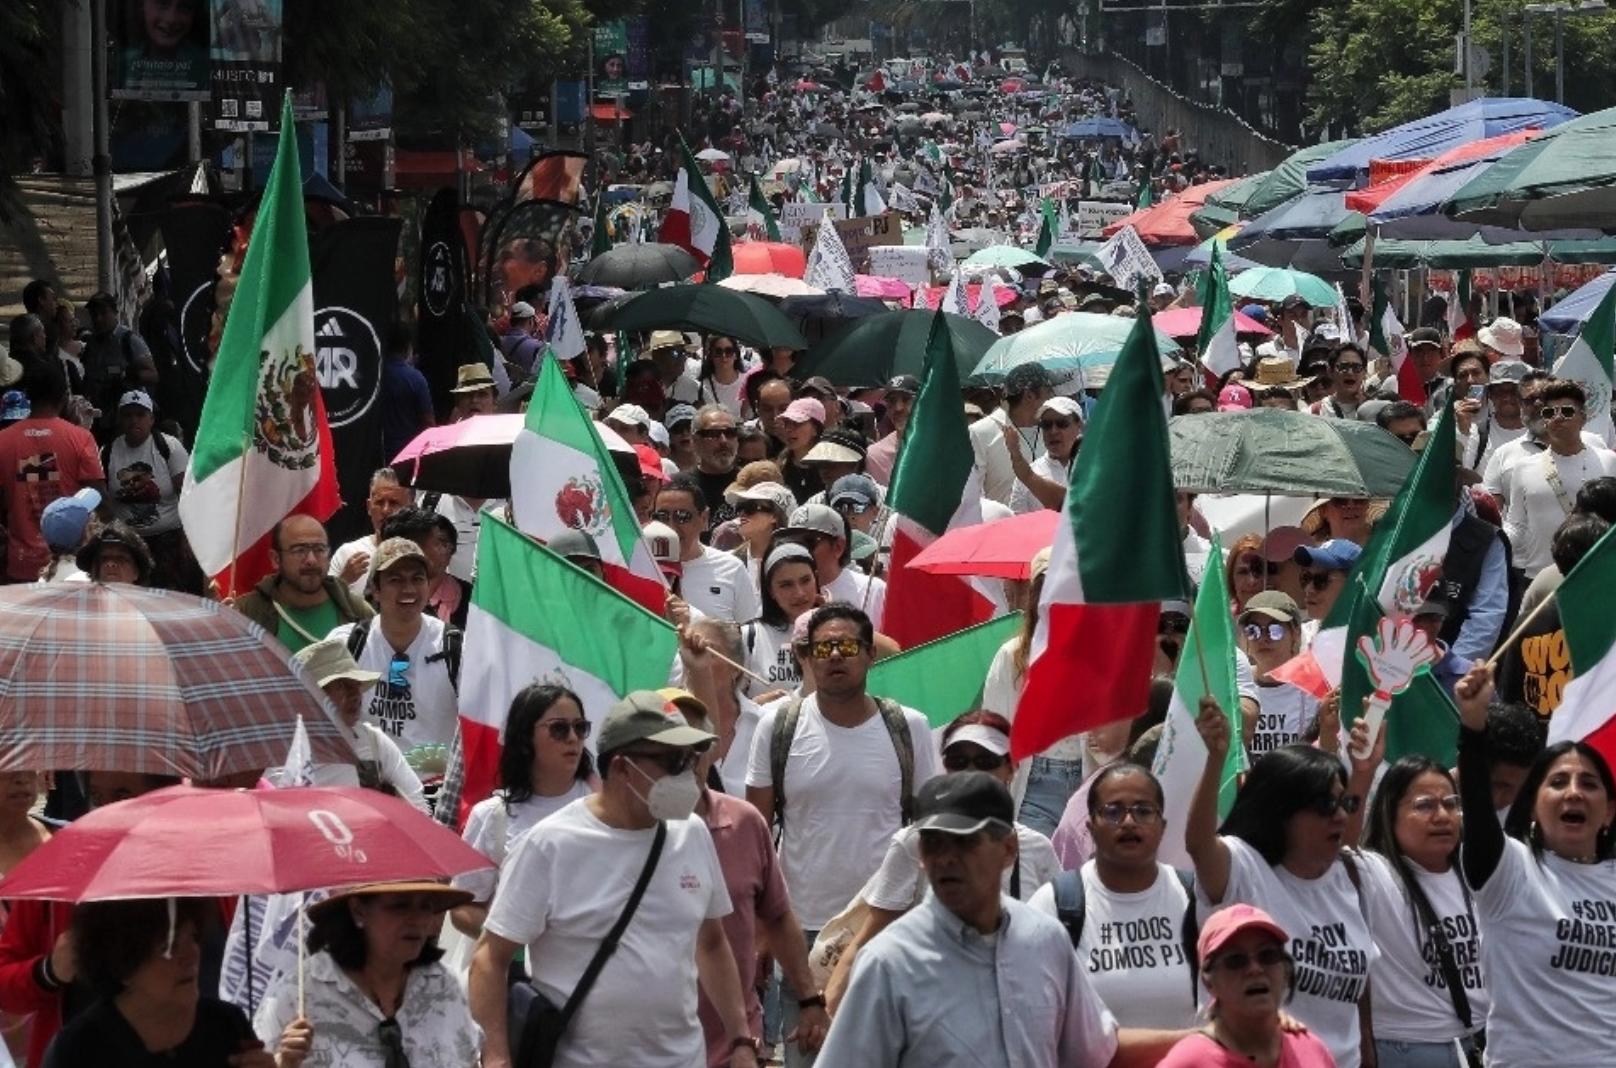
672,797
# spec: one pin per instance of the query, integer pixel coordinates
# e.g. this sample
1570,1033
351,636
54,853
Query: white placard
1093,216
794,215
1126,259
906,263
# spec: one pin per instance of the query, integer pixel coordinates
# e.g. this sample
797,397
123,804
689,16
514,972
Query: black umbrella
818,314
637,266
710,309
599,318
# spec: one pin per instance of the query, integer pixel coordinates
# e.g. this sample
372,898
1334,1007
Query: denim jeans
1417,1054
1050,784
794,1057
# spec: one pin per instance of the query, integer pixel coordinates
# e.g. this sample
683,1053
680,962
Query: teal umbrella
1563,179
1274,284
1082,253
870,351
1222,209
1006,256
1077,341
1267,450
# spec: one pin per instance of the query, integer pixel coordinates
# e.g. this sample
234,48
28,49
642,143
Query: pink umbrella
883,288
1186,322
1002,549
472,458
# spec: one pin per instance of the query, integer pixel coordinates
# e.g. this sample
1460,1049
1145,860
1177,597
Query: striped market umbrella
100,677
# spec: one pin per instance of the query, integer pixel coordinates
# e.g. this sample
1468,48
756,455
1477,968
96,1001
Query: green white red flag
1217,344
263,446
1386,340
1587,710
1588,362
693,219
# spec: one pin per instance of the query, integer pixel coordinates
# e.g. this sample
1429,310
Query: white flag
829,266
937,240
564,334
986,311
955,299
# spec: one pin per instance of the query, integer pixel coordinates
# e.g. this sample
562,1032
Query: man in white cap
380,766
145,471
632,423
561,891
1042,482
1162,297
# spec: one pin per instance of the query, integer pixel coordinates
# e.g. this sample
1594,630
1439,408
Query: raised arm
1206,849
1483,838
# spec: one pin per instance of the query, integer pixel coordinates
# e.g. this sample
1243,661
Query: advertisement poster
246,64
159,49
611,58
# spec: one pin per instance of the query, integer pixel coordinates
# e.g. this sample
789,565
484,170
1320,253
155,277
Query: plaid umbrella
121,678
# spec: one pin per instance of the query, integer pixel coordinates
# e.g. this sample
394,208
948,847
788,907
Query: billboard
159,49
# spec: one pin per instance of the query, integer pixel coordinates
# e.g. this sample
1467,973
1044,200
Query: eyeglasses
392,1037
676,515
307,548
829,647
1173,625
753,507
962,761
1560,411
1349,368
1319,580
675,762
856,507
1326,805
560,728
396,668
1426,805
714,433
1266,957
1114,812
1056,424
1255,631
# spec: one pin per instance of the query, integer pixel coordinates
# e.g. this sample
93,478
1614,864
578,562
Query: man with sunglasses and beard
713,581
718,441
1541,489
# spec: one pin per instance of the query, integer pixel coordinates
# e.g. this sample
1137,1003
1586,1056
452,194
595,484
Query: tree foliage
1374,64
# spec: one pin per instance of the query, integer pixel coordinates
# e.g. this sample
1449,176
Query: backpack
448,650
1071,908
785,729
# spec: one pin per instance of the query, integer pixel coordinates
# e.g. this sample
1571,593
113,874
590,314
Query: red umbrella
1186,322
1167,224
769,257
189,842
1003,549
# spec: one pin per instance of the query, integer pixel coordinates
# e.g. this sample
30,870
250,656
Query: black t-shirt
713,486
101,1036
1534,670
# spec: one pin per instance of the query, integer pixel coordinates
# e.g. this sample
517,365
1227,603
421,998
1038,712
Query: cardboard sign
907,263
1093,216
795,216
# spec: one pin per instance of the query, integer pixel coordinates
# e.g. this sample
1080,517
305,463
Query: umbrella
711,309
1565,178
1003,548
1289,178
1446,255
1274,284
122,678
1568,315
186,841
1005,148
597,317
1079,341
1268,450
713,155
822,314
1186,322
768,257
1168,223
1429,137
1006,256
1296,233
1222,208
868,352
935,118
882,288
638,266
770,285
1100,126
472,458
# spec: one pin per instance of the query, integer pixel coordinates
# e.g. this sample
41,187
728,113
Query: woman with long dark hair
1545,889
1426,986
721,380
789,589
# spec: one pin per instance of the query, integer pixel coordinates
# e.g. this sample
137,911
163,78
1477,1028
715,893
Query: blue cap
14,406
63,521
1254,311
1337,554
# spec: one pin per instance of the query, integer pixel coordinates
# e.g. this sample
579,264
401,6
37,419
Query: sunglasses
714,433
754,507
1327,805
1319,580
676,762
1266,957
1426,805
1173,625
856,507
1408,439
725,350
1114,812
972,761
829,647
1560,411
396,678
560,728
1056,424
1349,368
1255,631
676,515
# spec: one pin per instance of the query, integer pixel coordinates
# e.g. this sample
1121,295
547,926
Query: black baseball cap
904,384
963,803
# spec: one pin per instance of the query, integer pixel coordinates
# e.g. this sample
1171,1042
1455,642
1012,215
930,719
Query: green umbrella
1288,179
868,352
1222,209
1269,450
710,309
1076,341
1006,256
1564,179
1352,227
1448,255
1082,253
1274,284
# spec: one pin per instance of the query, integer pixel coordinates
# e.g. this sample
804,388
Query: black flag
195,235
442,337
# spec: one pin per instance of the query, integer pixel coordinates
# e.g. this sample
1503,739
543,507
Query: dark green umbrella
1292,454
1449,255
1289,178
870,351
1222,209
1561,179
710,309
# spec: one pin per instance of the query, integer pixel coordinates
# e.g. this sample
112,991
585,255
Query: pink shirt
1199,1051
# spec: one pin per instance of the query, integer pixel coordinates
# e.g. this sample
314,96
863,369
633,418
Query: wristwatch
817,1001
751,1042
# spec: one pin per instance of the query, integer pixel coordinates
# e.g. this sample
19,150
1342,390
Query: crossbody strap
1552,475
609,946
1444,950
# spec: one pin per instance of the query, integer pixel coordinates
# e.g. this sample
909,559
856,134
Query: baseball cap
786,550
679,413
1425,335
1295,300
771,492
1062,406
138,398
693,707
1027,377
14,406
1282,543
392,552
1224,924
329,660
1337,554
1272,604
650,462
663,541
647,716
819,386
804,409
964,803
1254,312
659,435
1234,398
860,488
630,415
903,384
862,546
522,310
64,519
1163,289
818,519
1507,373
574,543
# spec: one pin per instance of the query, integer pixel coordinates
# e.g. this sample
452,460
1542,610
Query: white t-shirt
1132,949
1409,992
345,552
1330,940
768,653
843,803
731,396
1001,692
371,744
717,583
850,585
899,883
489,817
129,470
425,710
560,893
1534,510
1549,955
1022,500
1286,712
1497,438
1508,455
732,765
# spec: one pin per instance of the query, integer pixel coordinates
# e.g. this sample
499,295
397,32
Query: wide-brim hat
450,896
473,378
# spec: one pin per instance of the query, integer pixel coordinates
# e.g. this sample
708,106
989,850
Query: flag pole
1503,646
302,951
739,667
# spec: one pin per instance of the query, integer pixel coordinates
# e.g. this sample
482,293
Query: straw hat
447,897
1278,371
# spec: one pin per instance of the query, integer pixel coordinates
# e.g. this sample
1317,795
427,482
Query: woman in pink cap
1249,975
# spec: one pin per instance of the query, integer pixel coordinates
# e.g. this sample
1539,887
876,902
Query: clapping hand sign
1392,656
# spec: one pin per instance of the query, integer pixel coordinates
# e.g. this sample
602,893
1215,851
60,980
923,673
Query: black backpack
448,650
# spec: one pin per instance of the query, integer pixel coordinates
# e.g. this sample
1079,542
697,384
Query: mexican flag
867,198
760,221
693,219
943,679
563,478
722,263
1588,362
263,447
1096,636
940,253
1587,710
1217,344
1459,324
523,627
1206,666
1386,340
1048,227
935,488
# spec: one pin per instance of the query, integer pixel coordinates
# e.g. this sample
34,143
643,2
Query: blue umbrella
1101,126
1568,316
1294,234
1435,134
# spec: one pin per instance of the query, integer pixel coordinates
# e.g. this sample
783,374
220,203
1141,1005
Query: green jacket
259,605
